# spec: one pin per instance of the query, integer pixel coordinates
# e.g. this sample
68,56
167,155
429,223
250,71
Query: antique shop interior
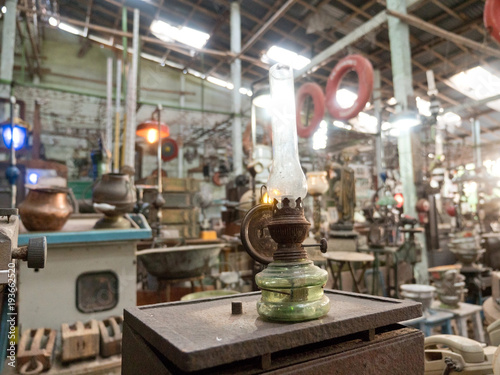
250,186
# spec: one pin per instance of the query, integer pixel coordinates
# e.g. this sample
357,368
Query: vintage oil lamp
291,285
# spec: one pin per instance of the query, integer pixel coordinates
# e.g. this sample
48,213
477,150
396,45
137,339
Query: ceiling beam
267,25
433,29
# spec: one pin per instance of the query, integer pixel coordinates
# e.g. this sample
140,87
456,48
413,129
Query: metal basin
419,293
180,262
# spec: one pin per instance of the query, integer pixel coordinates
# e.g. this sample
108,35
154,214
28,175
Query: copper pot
45,209
114,194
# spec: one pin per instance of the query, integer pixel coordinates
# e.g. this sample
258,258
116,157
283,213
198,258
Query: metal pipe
12,125
401,65
37,130
476,137
124,80
236,78
132,99
116,153
25,48
253,124
160,187
13,161
34,48
8,42
109,105
180,158
377,104
125,35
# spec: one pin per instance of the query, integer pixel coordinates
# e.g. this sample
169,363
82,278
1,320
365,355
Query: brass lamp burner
289,228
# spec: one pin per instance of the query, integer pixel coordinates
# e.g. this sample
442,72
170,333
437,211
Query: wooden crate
178,200
79,341
111,336
186,231
36,346
180,216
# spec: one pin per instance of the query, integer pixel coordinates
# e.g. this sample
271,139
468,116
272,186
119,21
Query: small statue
347,200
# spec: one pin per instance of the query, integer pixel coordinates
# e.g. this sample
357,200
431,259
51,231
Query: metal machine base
358,336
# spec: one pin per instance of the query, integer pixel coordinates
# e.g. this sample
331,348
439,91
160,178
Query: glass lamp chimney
286,180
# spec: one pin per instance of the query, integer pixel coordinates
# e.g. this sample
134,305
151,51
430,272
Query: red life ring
364,69
316,93
491,18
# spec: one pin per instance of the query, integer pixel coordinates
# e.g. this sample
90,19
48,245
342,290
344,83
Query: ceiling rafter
249,35
425,54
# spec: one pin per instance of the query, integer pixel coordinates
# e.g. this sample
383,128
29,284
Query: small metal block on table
111,336
202,336
36,350
461,314
79,341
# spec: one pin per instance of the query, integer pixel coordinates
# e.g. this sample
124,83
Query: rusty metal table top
203,333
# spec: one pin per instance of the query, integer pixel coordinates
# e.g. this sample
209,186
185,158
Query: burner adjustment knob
37,252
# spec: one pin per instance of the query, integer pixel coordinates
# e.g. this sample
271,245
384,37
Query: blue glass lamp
20,136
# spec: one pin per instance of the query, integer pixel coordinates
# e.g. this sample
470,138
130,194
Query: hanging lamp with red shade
149,130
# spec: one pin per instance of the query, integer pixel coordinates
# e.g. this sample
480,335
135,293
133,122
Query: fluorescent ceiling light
405,119
364,123
423,106
182,34
470,166
342,125
262,101
478,83
285,56
98,39
245,91
220,82
150,57
386,126
493,167
172,64
394,132
320,137
70,29
53,21
450,118
392,101
195,73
